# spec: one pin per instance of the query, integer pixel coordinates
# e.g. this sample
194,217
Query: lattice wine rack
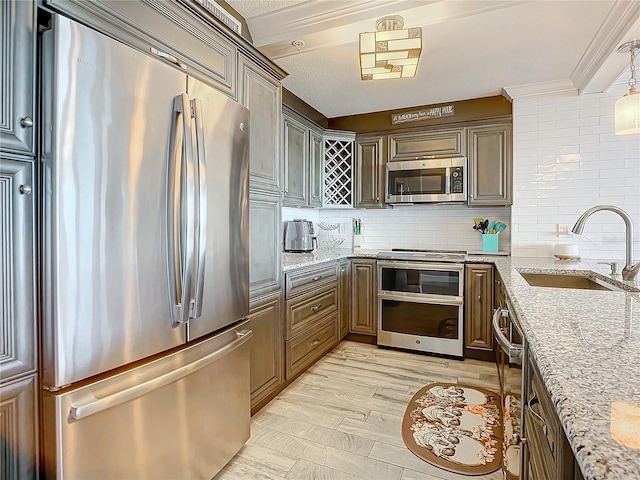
338,168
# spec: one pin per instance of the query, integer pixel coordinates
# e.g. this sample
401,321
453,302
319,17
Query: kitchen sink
565,281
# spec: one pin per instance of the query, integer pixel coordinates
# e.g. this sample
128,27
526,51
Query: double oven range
420,300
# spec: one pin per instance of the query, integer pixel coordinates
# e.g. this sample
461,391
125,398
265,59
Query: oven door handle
420,298
514,352
429,266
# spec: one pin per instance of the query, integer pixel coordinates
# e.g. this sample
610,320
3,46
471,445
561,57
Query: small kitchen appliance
438,180
299,236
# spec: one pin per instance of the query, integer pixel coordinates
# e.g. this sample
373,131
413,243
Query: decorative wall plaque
436,112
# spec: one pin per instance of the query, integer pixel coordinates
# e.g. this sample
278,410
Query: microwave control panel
456,180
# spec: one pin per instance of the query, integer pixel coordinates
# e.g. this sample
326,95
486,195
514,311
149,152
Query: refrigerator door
221,128
109,114
163,419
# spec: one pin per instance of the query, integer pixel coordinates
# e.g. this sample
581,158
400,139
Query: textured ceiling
471,49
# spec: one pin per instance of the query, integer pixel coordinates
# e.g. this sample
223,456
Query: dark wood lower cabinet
478,311
546,452
267,349
344,297
18,429
363,297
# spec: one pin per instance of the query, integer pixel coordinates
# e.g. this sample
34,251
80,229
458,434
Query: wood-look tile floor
341,419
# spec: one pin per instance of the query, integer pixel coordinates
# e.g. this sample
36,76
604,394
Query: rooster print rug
455,427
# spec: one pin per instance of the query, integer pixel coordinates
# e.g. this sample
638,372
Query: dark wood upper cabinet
490,165
369,171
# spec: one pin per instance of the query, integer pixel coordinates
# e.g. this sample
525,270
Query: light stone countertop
586,344
291,261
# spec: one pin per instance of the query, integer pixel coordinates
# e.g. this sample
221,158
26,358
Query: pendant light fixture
391,52
627,116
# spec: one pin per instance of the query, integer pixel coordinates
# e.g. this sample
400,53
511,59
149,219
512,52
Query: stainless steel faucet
630,271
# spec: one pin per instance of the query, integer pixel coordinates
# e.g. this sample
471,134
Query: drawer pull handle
538,418
316,342
316,308
316,278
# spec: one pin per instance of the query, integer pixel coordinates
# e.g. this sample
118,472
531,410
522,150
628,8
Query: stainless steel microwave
427,180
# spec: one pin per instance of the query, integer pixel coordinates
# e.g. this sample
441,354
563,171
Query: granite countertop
291,261
586,344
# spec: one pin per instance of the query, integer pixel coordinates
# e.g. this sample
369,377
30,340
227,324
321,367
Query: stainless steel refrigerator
145,263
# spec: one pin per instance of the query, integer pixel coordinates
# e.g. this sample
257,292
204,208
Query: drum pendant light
627,109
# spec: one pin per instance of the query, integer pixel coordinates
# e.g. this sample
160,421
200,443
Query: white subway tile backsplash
420,226
574,132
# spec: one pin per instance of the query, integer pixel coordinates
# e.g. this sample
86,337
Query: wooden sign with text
436,112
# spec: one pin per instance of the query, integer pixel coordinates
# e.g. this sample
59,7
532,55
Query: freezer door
108,113
221,128
184,415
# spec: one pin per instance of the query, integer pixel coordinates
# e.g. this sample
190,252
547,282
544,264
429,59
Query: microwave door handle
200,210
447,181
180,215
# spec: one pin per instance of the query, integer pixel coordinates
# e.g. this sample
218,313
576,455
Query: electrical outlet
562,230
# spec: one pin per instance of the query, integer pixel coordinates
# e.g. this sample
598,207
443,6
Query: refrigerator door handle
85,410
181,206
201,210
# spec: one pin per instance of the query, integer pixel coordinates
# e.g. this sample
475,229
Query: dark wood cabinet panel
265,269
316,163
296,163
363,297
344,296
490,165
427,144
17,249
312,317
305,310
262,95
18,46
306,279
369,171
478,298
308,347
18,429
267,348
207,52
546,452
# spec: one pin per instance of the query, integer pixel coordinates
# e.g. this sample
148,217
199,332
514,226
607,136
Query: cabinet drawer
302,281
306,348
306,310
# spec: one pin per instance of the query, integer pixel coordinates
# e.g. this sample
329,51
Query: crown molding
328,23
601,64
563,87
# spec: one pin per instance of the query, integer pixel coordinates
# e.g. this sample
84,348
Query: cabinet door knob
25,189
377,199
479,298
26,122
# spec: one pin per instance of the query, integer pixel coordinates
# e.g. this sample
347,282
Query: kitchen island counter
586,344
